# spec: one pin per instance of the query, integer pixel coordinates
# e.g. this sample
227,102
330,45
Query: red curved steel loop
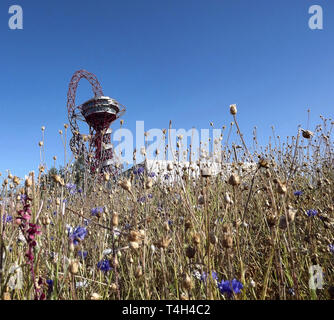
95,156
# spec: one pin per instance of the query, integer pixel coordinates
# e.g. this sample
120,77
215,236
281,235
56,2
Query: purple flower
142,199
49,282
78,234
312,213
298,193
229,287
331,248
72,188
82,254
104,265
151,174
97,211
213,273
8,218
166,176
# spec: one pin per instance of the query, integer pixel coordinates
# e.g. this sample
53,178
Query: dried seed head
291,214
126,185
106,176
196,239
184,296
263,163
16,180
74,267
233,109
169,166
65,125
134,245
95,296
307,134
206,172
186,282
149,183
228,198
227,241
163,242
201,199
282,222
272,219
134,236
41,143
114,219
139,272
58,179
190,252
54,158
113,286
281,188
27,183
213,239
234,180
188,224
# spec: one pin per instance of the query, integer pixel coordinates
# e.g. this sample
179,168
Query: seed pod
188,224
281,188
134,245
272,220
95,296
106,176
227,241
196,239
126,185
212,238
113,286
263,163
201,199
233,109
307,134
149,183
139,272
134,236
74,267
114,219
190,252
186,282
27,183
206,172
169,166
234,180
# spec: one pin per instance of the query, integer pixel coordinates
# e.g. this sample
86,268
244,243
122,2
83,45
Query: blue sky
179,60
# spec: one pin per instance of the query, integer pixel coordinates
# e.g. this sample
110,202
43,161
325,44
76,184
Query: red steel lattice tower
98,112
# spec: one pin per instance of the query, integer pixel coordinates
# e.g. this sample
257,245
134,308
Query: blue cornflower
298,193
82,254
8,218
97,211
331,248
104,265
213,273
86,222
312,213
80,190
166,176
229,287
170,222
151,174
50,285
78,234
54,213
142,199
150,196
72,188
